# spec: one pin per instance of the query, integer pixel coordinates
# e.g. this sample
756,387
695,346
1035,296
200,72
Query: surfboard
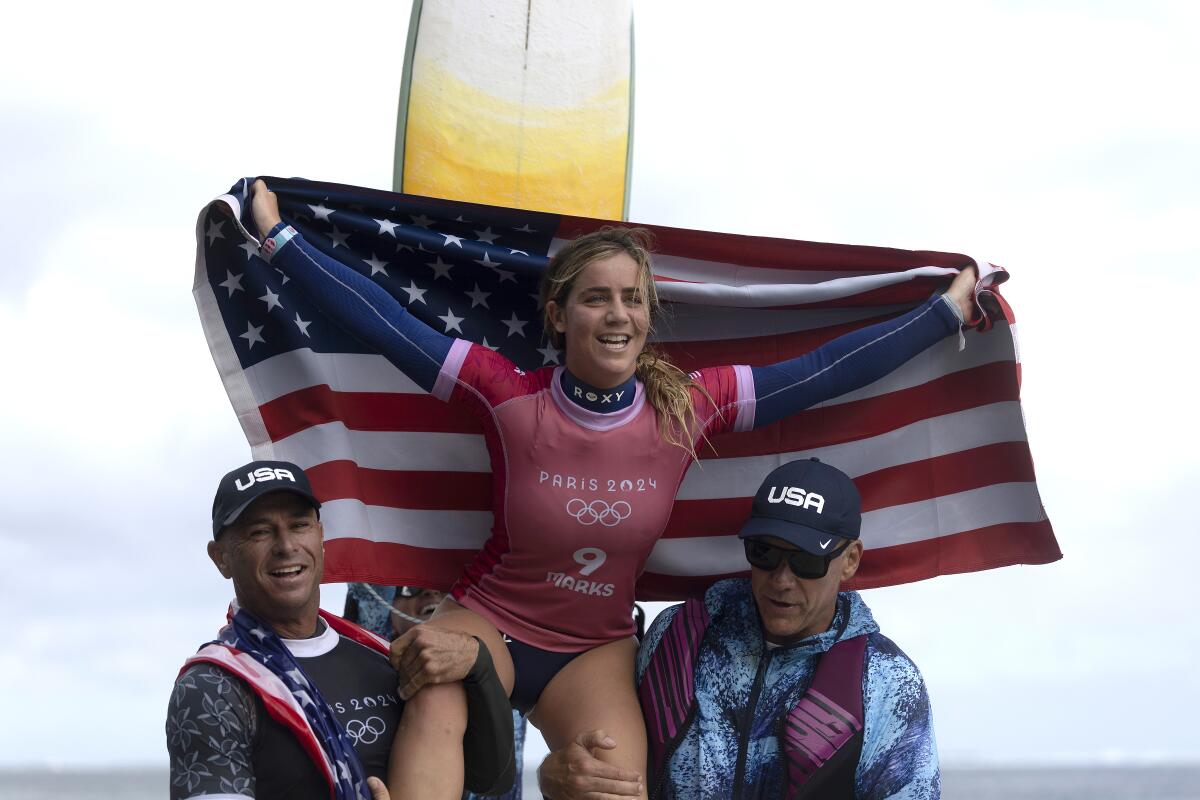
519,103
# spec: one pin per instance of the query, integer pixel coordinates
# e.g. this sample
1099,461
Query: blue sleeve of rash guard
850,361
362,308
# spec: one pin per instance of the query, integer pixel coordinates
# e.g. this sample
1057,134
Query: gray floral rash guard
899,755
210,717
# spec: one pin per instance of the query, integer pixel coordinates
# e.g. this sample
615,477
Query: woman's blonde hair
667,386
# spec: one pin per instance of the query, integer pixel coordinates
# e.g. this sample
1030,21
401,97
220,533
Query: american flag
938,448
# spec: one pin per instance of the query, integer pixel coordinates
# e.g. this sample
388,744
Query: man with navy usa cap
290,701
781,685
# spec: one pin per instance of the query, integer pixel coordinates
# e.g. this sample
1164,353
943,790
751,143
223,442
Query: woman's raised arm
355,302
860,357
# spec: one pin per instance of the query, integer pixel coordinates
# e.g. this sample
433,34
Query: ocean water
1080,783
1077,783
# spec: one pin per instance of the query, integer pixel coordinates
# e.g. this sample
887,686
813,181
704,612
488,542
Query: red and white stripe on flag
938,448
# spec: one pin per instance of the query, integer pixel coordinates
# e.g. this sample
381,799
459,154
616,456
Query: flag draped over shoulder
937,448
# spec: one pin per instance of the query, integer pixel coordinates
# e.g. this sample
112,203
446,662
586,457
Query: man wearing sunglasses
780,686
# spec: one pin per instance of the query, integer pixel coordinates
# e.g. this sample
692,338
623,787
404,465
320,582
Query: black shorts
533,668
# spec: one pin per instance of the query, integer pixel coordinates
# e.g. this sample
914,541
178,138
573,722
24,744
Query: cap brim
232,516
810,540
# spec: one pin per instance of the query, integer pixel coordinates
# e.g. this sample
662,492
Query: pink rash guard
580,497
575,519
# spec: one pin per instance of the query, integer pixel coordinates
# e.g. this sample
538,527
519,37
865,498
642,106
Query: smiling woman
602,309
616,413
599,294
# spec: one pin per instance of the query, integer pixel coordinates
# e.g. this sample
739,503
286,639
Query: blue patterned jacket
899,755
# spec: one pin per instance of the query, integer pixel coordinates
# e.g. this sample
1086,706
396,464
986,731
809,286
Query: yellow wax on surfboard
519,104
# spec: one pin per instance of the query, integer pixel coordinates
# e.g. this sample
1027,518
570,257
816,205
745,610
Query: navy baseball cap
805,503
244,485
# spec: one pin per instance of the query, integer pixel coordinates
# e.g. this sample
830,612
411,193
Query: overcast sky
1059,139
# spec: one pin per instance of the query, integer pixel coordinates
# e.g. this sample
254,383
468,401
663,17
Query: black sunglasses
802,563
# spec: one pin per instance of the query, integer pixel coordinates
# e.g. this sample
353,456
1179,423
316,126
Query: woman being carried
587,459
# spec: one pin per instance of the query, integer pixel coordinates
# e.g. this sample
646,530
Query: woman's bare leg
596,691
427,757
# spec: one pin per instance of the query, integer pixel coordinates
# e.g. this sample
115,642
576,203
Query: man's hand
264,205
432,655
378,790
574,772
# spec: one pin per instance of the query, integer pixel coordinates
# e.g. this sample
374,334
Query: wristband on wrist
271,245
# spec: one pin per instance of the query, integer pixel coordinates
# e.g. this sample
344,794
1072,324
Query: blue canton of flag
469,272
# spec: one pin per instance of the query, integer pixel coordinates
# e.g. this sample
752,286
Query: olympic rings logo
367,732
599,511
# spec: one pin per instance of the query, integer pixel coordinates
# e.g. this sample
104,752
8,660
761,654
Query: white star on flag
251,250
258,633
302,324
303,697
452,322
214,231
478,297
440,268
421,220
283,276
297,676
232,282
338,238
452,239
491,347
512,252
504,275
272,300
376,265
524,229
487,262
415,293
486,235
550,354
321,212
387,226
515,326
